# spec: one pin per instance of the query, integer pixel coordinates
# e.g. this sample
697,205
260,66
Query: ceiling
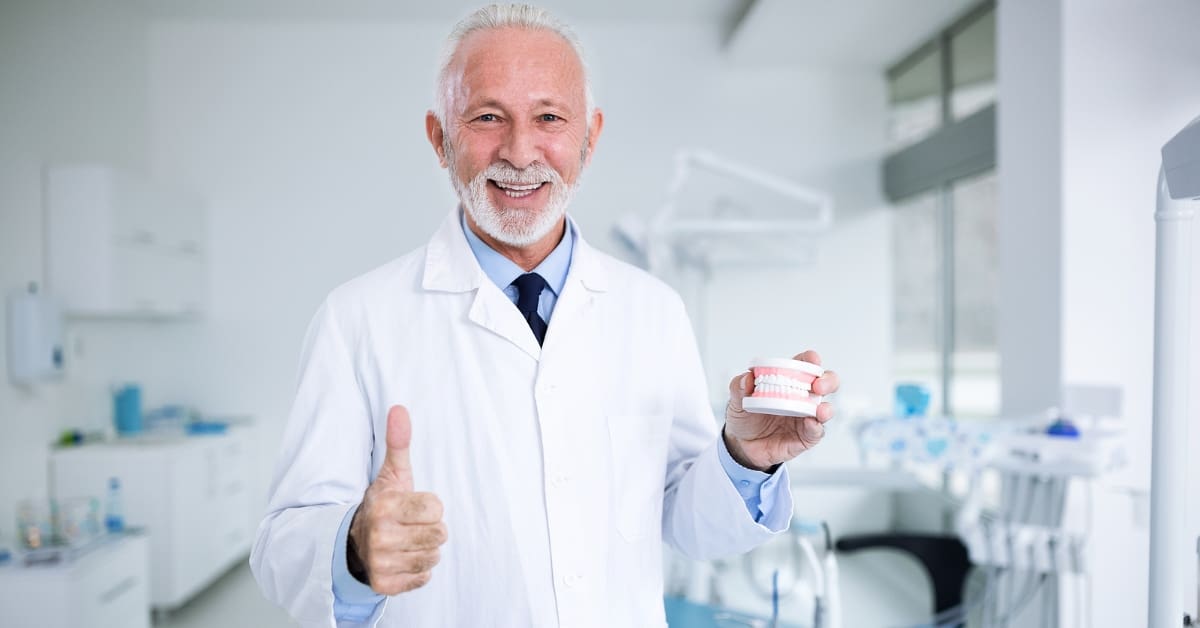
852,34
849,34
717,11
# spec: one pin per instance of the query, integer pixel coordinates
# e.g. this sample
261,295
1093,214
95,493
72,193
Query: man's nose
520,146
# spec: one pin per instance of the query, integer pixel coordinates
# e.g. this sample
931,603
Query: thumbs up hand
396,532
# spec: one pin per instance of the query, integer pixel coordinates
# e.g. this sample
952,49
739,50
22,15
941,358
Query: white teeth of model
512,194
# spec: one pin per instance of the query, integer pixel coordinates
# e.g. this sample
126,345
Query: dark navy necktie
529,289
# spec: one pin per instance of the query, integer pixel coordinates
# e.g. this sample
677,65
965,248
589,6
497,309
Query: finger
813,430
740,386
826,384
397,467
412,562
396,538
416,508
392,584
809,356
824,411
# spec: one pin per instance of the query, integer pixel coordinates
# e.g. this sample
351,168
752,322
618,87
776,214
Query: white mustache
536,172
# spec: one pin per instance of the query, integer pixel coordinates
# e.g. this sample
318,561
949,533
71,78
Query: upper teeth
520,188
781,381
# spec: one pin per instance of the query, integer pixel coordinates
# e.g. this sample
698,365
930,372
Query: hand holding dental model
759,439
395,535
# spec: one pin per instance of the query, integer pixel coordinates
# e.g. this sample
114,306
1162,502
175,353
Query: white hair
496,16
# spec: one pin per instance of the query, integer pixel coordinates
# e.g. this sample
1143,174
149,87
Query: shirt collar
502,271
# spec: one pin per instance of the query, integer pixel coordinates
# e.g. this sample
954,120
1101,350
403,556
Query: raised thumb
397,468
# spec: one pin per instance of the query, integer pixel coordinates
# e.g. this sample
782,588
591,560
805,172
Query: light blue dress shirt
356,602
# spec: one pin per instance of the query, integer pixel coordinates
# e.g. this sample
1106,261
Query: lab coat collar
450,266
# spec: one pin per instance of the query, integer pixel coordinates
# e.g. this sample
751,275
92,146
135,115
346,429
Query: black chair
944,558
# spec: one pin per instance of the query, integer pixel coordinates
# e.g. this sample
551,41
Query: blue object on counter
5,556
1063,428
127,409
206,427
912,400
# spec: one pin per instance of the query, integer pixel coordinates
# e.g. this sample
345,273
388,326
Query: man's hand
762,441
395,534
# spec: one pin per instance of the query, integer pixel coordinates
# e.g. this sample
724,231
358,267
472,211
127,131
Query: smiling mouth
516,190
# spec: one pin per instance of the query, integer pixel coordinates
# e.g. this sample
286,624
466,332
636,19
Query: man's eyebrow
492,103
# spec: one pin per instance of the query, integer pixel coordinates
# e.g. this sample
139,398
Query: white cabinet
118,245
107,587
191,494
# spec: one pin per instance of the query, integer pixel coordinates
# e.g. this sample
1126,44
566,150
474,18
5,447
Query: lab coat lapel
450,266
587,280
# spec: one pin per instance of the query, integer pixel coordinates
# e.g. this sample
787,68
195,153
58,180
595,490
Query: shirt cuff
352,600
759,490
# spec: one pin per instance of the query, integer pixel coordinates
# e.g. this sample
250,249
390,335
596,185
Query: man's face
517,135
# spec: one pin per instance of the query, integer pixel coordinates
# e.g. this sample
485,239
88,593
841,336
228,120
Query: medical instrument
1178,191
1021,544
826,588
755,219
783,387
670,236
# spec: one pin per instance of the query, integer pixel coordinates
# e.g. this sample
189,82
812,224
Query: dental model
783,387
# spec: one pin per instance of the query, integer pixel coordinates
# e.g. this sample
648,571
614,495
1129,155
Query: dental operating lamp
1178,198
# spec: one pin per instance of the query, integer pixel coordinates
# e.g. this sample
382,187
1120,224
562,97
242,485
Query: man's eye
487,117
549,117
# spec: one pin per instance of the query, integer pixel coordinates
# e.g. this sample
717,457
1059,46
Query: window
941,177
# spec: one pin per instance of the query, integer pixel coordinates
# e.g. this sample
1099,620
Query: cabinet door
113,591
138,278
233,541
129,209
193,501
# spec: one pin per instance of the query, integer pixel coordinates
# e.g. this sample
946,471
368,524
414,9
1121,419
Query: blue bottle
114,519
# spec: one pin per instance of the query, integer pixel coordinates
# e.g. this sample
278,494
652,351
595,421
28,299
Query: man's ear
437,136
596,125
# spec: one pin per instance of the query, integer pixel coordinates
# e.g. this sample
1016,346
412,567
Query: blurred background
951,200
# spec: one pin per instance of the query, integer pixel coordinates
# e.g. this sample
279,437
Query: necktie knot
529,290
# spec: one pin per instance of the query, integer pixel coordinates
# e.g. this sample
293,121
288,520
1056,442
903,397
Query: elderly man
501,428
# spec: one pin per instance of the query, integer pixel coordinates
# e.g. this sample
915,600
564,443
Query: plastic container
114,514
912,400
127,409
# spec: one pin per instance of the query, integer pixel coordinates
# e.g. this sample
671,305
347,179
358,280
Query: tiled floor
233,601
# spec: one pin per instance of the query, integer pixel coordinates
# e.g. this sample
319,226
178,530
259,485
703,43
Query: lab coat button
573,580
560,479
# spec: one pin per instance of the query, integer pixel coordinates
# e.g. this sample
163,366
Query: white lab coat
562,468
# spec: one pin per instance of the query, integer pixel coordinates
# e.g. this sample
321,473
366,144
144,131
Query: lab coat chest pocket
639,459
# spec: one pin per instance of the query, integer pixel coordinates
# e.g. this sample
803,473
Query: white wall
1089,93
72,87
308,140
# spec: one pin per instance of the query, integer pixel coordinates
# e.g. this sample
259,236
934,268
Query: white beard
512,226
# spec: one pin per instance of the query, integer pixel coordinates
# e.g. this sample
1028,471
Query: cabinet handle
118,590
141,236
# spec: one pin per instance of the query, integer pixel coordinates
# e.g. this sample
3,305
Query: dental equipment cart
105,587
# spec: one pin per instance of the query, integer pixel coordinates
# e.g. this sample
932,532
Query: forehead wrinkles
488,59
